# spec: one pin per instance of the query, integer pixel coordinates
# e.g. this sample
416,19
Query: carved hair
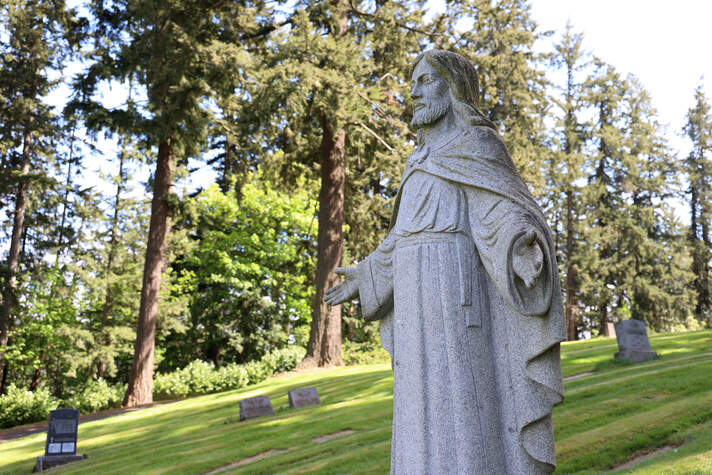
460,75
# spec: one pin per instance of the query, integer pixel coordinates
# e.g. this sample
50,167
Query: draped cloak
475,352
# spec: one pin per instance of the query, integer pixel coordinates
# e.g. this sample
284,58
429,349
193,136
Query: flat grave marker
255,407
302,397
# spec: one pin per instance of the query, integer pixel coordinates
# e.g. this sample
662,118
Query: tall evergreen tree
501,45
604,90
566,169
175,51
41,35
634,264
331,99
651,258
699,175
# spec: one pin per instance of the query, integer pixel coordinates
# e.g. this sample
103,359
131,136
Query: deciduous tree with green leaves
246,271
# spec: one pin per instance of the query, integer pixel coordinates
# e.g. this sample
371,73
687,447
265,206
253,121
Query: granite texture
467,290
302,397
62,432
633,343
46,462
257,406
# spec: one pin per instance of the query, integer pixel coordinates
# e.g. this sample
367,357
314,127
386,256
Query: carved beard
431,113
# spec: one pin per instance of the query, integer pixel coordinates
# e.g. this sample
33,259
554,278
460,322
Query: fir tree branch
383,114
429,34
374,134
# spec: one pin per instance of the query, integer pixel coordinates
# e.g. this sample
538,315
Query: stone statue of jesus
467,290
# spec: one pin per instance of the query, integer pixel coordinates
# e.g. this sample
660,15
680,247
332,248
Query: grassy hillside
616,413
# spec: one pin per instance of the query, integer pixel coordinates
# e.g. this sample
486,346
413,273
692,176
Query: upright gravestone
255,407
302,397
61,444
633,344
610,330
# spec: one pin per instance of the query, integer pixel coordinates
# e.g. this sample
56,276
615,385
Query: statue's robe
475,353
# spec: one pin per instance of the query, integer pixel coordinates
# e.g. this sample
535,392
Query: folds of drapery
527,324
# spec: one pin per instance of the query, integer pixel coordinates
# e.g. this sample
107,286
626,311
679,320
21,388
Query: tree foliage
246,272
301,110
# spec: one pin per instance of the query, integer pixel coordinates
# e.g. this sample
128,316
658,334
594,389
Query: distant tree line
302,110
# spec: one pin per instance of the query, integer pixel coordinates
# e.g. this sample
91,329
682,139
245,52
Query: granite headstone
61,444
302,397
633,343
255,407
610,330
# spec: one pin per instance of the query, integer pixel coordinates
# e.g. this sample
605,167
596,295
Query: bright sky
664,43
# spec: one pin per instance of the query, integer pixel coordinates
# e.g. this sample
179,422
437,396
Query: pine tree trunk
109,296
37,375
571,333
140,387
9,296
603,329
227,166
67,187
699,268
324,347
108,299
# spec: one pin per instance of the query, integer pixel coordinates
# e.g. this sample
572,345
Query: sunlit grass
610,416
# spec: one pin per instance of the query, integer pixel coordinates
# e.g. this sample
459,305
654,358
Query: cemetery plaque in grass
302,397
633,343
61,444
255,407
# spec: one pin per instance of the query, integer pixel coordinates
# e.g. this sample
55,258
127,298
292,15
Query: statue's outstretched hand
346,290
527,258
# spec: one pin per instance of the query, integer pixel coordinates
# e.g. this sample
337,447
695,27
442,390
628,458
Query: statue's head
442,81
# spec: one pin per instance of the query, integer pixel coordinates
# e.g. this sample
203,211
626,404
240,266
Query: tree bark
37,375
108,299
67,187
699,254
227,165
324,347
9,296
571,333
109,296
140,387
603,329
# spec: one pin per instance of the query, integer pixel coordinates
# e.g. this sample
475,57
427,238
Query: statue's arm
371,281
375,276
514,250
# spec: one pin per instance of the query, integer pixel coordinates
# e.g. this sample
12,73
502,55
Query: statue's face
430,93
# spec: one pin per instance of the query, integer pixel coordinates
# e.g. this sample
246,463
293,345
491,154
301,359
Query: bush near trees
302,111
20,406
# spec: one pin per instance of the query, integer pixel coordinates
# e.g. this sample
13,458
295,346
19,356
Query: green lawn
607,418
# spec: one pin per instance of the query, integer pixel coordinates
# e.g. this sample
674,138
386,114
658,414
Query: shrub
201,377
20,406
96,396
364,353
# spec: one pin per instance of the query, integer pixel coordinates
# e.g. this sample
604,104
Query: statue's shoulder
481,140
